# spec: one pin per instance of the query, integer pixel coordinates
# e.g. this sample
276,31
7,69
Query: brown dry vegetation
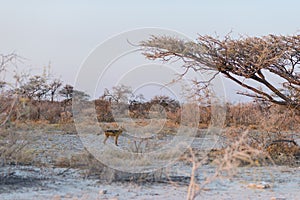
252,115
265,123
255,133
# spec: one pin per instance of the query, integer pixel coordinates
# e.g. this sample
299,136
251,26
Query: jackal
113,133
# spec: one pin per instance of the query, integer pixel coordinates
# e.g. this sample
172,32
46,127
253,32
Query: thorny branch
259,59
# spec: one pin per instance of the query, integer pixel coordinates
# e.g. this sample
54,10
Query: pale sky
64,32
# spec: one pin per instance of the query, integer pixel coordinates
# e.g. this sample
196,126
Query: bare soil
50,179
27,182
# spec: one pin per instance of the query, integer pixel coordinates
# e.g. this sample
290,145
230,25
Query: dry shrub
205,115
82,160
254,138
266,124
253,115
257,115
240,153
66,117
194,188
280,148
113,175
227,160
13,148
103,110
175,117
279,118
12,109
92,167
51,111
243,114
24,109
46,110
284,152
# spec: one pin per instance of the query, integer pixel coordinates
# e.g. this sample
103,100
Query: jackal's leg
116,140
106,137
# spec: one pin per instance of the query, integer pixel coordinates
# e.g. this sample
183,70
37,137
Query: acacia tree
67,92
53,88
35,88
259,59
119,94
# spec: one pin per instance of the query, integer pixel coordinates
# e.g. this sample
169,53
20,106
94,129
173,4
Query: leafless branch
250,58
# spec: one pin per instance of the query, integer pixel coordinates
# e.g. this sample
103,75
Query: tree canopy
259,59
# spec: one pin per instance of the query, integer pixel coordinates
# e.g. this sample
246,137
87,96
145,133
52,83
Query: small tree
119,94
36,88
67,91
81,96
167,102
53,87
257,59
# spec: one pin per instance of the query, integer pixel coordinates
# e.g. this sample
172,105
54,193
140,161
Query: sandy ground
60,183
29,182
